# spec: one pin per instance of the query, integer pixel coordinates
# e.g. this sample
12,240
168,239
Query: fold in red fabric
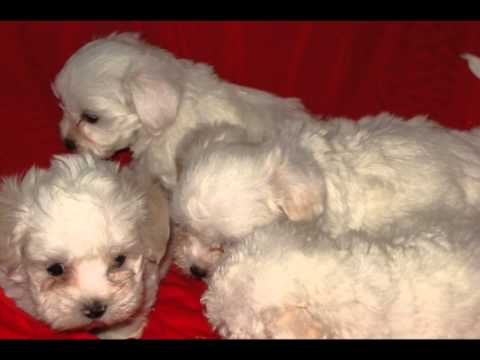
337,69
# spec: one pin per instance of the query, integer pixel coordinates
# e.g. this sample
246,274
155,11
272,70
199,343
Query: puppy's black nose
94,310
70,144
198,272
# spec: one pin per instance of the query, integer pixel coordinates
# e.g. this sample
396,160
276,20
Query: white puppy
350,176
120,92
83,245
291,281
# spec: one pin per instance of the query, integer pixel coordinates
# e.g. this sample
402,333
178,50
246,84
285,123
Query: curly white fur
366,176
292,281
104,236
143,98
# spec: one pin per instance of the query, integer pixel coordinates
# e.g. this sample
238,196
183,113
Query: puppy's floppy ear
298,187
154,93
16,198
13,213
156,233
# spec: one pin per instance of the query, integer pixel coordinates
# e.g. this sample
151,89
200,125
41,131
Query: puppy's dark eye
56,269
90,118
120,260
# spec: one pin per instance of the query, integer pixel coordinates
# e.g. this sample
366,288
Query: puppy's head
193,255
114,89
73,237
228,190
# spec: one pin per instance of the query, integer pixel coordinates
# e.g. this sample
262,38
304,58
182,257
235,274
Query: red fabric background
336,68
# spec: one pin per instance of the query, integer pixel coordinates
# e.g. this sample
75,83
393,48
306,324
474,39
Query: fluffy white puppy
350,176
291,281
120,92
83,245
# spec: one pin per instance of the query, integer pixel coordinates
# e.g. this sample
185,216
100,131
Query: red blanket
336,68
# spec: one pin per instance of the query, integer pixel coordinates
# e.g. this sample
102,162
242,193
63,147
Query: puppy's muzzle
70,144
94,310
198,272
